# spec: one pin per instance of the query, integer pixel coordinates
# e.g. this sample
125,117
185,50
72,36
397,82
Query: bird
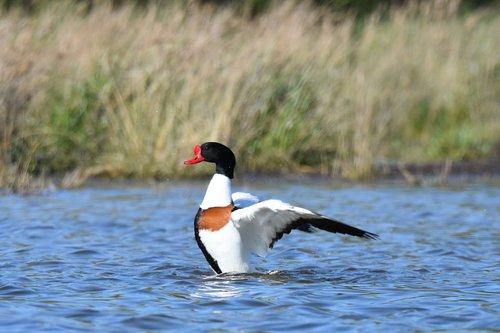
229,227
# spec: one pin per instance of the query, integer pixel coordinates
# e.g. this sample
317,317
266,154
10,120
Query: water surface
123,259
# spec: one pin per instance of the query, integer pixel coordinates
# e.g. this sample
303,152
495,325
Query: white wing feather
242,199
258,224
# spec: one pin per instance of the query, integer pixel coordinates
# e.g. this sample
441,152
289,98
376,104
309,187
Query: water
123,259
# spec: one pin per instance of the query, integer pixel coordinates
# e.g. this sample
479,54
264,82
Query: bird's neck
218,192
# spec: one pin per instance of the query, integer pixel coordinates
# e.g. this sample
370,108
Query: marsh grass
127,93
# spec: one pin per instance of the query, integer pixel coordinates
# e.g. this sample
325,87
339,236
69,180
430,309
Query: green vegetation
123,92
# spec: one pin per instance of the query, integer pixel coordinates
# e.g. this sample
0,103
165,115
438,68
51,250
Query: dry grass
126,93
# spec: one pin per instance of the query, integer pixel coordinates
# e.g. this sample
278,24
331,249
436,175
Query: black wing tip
331,225
370,235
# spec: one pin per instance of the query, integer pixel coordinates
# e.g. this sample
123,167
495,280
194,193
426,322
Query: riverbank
396,174
122,93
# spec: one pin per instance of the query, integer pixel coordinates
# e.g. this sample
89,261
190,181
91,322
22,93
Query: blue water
123,259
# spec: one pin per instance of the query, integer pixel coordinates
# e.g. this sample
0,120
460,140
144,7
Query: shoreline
389,173
432,173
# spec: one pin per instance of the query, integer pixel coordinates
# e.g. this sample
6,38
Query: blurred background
349,88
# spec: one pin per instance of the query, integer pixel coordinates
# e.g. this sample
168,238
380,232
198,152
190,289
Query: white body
225,246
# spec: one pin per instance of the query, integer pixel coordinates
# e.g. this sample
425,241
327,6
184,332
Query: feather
264,223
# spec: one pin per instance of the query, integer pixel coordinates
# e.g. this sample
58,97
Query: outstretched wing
263,223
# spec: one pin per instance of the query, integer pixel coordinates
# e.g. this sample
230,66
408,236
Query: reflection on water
124,259
224,286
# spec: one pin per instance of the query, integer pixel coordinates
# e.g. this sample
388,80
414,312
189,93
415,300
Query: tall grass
127,93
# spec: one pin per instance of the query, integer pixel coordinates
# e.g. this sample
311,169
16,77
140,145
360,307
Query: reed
127,93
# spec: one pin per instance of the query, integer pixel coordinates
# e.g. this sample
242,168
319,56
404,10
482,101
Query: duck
230,227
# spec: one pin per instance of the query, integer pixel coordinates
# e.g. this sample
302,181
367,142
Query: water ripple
123,259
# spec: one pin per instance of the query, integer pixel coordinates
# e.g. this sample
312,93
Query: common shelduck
229,227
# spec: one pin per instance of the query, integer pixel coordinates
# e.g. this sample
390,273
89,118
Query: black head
217,153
